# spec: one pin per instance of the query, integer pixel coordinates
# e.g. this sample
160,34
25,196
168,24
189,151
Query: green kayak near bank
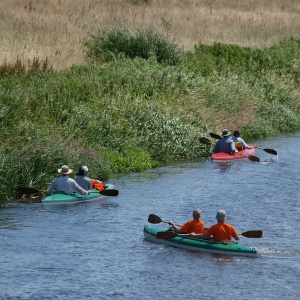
61,198
199,245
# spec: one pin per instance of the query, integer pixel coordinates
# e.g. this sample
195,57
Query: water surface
97,250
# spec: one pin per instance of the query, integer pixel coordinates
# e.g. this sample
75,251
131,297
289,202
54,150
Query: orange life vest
100,186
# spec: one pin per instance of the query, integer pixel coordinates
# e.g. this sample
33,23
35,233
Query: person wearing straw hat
196,225
65,184
226,144
220,231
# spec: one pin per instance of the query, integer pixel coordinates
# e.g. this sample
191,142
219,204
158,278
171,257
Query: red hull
238,155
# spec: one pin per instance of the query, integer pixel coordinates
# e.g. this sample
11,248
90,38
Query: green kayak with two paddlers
61,198
160,235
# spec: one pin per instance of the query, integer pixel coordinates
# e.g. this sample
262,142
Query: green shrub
111,43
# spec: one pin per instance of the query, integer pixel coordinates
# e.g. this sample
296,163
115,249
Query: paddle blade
215,136
206,141
254,158
110,192
154,219
27,190
270,151
165,235
253,234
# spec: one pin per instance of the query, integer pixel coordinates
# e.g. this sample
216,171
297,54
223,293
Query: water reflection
225,166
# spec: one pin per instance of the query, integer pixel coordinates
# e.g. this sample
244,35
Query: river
97,250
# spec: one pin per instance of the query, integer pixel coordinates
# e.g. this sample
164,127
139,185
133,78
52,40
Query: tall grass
54,30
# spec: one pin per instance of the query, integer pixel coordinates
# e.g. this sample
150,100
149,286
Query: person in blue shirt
226,144
65,184
82,178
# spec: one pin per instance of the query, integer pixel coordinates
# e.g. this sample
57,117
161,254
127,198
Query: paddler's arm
50,189
79,189
236,238
175,228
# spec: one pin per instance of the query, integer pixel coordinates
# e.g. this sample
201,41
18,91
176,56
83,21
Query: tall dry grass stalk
55,29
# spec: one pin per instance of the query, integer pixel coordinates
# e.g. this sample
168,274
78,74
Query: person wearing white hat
65,184
221,231
226,144
196,225
87,183
82,178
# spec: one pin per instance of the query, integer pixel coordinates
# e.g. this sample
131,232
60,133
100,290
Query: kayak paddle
270,151
252,234
215,136
30,190
154,219
165,235
170,234
108,192
206,141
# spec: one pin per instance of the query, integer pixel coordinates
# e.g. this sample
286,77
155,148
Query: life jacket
239,146
100,186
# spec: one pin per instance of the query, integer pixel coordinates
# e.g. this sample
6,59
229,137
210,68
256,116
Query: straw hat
65,170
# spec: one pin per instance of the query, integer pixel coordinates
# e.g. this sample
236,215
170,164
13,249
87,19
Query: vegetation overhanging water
141,100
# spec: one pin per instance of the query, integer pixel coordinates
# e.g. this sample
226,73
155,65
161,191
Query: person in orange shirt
220,232
196,225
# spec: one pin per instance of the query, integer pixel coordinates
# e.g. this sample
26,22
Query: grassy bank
129,109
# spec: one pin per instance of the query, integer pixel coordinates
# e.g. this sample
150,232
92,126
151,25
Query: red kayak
238,155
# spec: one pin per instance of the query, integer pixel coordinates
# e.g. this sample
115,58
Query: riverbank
125,113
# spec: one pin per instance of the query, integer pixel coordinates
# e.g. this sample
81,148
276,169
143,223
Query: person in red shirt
220,232
196,225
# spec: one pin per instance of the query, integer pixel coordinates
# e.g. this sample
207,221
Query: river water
97,250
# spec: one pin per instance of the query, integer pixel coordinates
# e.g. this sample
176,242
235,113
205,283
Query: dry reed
53,30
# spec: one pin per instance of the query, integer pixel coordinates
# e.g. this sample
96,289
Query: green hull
199,245
61,198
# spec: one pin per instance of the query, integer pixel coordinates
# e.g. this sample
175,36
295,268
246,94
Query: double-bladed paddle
154,219
165,235
270,151
30,190
206,141
216,136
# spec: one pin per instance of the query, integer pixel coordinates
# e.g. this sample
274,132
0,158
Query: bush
113,42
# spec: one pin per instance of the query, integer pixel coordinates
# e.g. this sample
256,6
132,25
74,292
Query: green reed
129,113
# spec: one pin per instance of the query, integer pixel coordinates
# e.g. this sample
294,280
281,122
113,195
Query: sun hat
221,214
197,212
225,132
65,170
83,169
